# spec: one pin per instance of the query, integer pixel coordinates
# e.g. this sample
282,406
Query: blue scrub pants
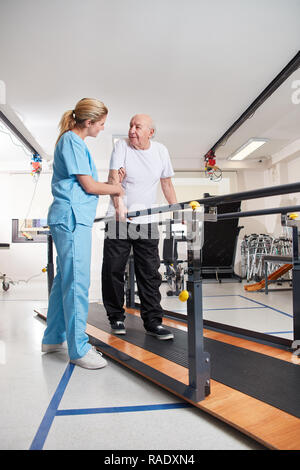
68,301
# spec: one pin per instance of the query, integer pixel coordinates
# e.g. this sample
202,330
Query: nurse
75,190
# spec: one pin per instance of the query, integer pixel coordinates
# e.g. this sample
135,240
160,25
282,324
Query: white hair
151,123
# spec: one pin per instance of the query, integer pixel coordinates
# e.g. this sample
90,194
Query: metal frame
296,278
278,260
275,210
212,201
199,360
295,270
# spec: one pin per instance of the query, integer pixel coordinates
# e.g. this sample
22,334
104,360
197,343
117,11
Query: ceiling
194,66
276,120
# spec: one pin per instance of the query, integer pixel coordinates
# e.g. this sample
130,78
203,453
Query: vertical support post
50,265
130,283
199,361
296,282
266,277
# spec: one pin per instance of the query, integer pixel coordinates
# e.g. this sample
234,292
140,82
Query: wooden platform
273,428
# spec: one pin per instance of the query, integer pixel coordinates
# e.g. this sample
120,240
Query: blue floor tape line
267,306
122,409
221,295
42,433
52,410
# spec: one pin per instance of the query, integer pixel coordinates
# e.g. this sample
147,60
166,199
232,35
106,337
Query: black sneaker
118,328
160,332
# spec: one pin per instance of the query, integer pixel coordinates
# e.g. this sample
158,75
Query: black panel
220,241
170,253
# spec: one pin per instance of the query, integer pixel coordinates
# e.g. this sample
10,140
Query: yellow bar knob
293,216
184,295
194,204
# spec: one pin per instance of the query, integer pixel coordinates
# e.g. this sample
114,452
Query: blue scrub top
71,158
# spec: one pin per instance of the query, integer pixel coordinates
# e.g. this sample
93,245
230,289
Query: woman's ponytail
67,123
87,108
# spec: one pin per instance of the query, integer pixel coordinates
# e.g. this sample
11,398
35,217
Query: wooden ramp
275,275
270,426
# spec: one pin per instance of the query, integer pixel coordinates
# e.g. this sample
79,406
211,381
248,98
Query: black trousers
119,239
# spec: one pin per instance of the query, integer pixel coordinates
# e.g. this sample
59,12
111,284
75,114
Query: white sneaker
92,360
48,348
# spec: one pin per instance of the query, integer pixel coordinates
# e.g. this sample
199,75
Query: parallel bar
275,210
213,200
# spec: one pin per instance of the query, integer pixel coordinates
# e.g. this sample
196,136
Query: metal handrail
214,200
274,210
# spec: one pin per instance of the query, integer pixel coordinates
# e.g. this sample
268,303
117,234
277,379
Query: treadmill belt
270,380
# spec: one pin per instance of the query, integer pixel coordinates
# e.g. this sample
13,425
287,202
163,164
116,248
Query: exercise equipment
223,376
175,270
262,255
272,277
5,282
220,244
255,248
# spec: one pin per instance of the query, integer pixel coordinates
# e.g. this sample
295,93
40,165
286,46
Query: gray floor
48,404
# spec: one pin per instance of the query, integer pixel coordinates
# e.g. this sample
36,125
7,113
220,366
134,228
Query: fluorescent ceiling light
247,148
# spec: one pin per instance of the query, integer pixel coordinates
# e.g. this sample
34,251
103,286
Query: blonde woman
75,190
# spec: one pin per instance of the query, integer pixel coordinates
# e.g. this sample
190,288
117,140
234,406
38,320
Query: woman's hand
119,191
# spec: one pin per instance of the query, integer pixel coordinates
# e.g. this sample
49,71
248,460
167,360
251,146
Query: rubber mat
270,380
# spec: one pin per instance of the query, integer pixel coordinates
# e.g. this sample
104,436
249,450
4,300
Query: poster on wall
29,230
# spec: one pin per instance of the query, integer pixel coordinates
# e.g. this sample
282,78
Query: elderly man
143,164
